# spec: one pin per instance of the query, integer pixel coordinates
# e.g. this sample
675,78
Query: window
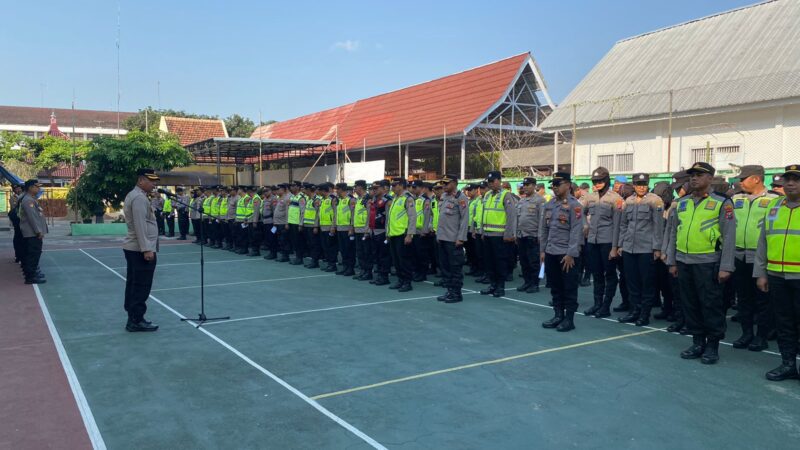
701,155
728,149
606,161
622,162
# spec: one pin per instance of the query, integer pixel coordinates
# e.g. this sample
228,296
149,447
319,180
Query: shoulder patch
578,211
728,211
620,202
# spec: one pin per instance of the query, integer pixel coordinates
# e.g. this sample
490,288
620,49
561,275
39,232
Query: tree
492,145
111,165
153,118
239,126
26,156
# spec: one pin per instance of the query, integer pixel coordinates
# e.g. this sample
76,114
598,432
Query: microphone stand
201,318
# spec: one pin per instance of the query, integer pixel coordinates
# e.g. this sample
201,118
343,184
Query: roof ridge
192,118
50,109
711,16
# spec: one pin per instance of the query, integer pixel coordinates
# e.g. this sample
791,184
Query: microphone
165,192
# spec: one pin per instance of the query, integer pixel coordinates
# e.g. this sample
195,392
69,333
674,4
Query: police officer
750,208
295,212
183,213
641,231
168,213
219,208
777,268
473,252
603,211
702,257
424,231
499,228
345,236
194,212
227,213
361,229
451,235
663,279
13,215
679,185
561,237
33,226
377,227
777,184
157,203
311,225
529,213
254,222
240,224
267,213
281,218
140,247
327,226
401,225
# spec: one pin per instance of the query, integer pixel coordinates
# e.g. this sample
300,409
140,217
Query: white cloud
348,45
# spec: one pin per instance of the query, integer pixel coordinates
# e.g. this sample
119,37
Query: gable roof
190,131
416,113
84,118
744,56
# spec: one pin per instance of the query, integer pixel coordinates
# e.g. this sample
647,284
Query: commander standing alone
140,247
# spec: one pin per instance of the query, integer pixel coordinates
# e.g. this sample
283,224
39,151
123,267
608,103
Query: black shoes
397,285
532,289
642,321
697,349
365,275
585,281
593,309
37,280
631,317
786,371
488,291
711,353
623,307
381,280
524,287
554,321
675,327
405,287
296,262
663,315
567,324
745,340
602,312
314,264
419,278
142,326
330,268
348,273
499,292
455,298
759,343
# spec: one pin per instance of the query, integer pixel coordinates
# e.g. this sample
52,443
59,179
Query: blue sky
290,58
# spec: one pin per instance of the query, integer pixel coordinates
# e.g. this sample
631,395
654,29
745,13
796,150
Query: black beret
362,183
493,175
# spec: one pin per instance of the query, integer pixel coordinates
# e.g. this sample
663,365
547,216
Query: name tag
773,213
682,206
739,203
711,204
764,202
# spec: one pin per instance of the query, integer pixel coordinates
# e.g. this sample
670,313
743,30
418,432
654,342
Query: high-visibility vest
494,213
361,214
782,228
207,204
476,213
326,211
698,226
435,213
217,206
241,208
343,212
167,205
294,210
398,217
749,218
310,213
419,206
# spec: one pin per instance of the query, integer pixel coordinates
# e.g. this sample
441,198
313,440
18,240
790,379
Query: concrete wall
370,171
769,137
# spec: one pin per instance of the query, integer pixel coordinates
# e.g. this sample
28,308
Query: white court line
195,263
332,308
83,406
240,282
160,254
344,424
118,247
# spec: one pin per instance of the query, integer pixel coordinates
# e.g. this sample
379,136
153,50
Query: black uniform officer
451,235
499,228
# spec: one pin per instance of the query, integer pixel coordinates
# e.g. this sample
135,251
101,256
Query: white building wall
769,137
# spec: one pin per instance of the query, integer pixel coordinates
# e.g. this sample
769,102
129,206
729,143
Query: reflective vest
361,214
217,206
294,209
207,204
343,212
241,208
419,205
494,213
398,217
167,205
310,213
783,237
326,211
476,213
251,207
435,213
698,226
749,218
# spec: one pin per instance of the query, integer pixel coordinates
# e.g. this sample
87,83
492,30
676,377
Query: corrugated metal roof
535,156
415,113
739,57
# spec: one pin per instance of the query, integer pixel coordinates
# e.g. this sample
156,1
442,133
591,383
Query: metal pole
444,150
337,153
72,158
260,164
219,180
463,154
555,152
364,151
399,157
669,134
408,147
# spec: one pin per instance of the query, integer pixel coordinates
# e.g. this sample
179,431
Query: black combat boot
314,264
446,295
555,320
489,290
746,338
711,353
524,286
623,307
786,371
644,318
456,297
676,327
604,310
759,343
594,308
405,287
365,275
568,323
697,348
500,289
381,280
631,317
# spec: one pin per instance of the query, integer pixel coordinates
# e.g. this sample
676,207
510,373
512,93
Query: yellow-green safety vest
749,219
167,205
294,209
476,213
398,217
241,208
494,213
782,228
698,226
207,204
343,212
361,214
218,206
435,213
419,205
326,212
310,213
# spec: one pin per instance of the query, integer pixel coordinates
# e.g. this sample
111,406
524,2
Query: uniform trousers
363,250
640,274
703,305
282,236
297,241
254,232
402,256
170,219
329,246
314,243
496,259
423,249
785,295
381,255
183,222
529,259
604,272
563,285
138,282
347,247
451,263
31,256
196,228
160,221
664,288
754,307
270,239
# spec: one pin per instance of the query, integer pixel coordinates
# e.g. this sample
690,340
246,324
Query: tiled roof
84,118
62,171
415,113
190,131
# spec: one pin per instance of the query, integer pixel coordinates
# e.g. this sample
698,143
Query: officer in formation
499,225
157,203
32,228
16,194
529,211
168,215
182,212
451,235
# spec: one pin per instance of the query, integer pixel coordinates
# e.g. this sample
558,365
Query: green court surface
314,360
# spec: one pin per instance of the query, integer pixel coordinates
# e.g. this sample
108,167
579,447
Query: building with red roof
190,131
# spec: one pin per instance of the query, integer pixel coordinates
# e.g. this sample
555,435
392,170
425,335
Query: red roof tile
190,131
24,115
415,113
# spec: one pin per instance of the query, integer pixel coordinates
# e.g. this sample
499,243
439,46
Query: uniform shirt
301,201
377,214
727,226
760,257
602,216
349,226
157,203
666,238
509,204
181,208
141,221
411,214
31,217
256,205
561,230
280,214
267,208
230,208
473,211
427,216
453,218
366,200
334,203
529,213
641,224
198,202
749,255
